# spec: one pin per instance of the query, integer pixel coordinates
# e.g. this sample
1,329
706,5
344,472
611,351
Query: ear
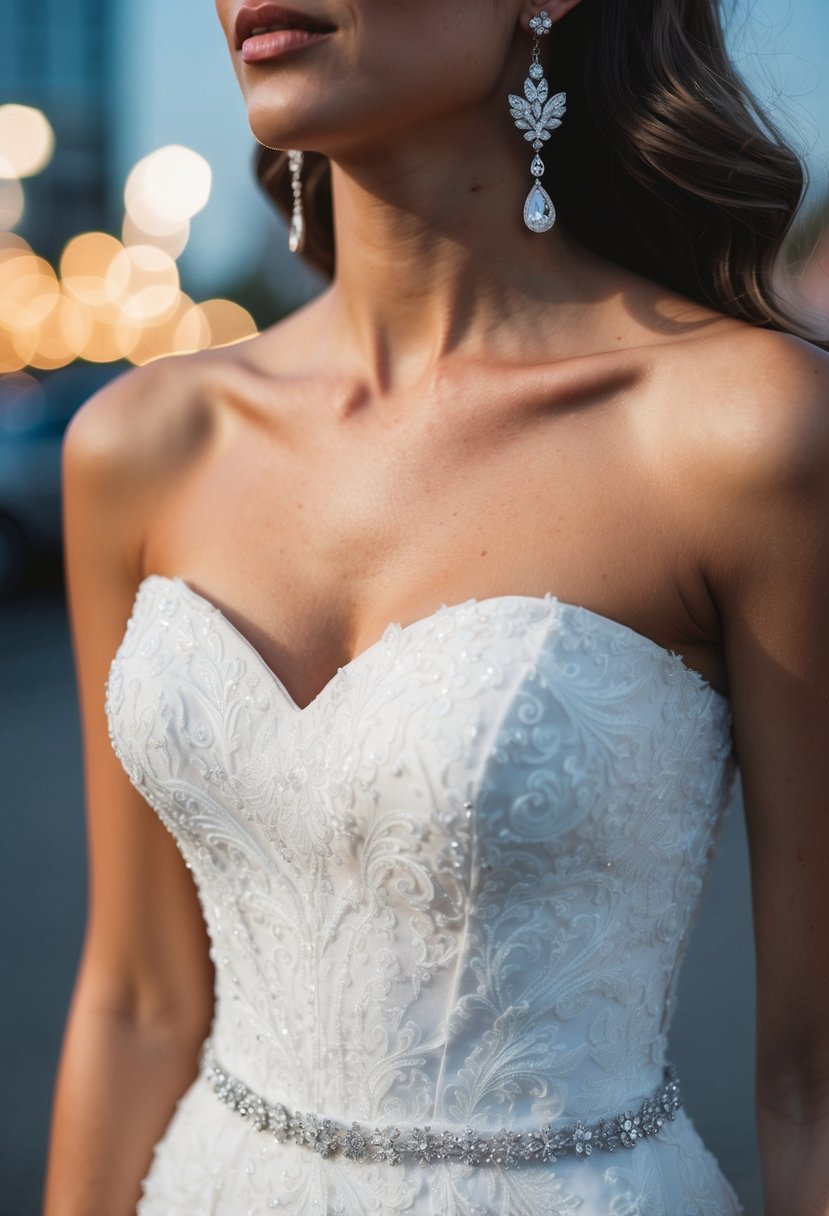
555,9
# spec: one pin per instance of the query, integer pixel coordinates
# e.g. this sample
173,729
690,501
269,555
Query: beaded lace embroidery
453,890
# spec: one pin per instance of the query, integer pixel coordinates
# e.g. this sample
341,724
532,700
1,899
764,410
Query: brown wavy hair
662,165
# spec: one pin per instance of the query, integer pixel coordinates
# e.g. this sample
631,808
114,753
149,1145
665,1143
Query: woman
442,870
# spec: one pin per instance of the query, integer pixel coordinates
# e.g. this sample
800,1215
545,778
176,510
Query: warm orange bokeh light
16,349
193,330
12,243
63,334
228,322
28,293
112,299
85,264
143,281
183,331
110,337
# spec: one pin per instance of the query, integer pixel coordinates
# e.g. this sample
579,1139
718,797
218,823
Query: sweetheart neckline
690,673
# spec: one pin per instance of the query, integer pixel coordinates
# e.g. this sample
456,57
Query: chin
277,123
280,135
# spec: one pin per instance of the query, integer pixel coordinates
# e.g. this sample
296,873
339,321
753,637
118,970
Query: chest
315,532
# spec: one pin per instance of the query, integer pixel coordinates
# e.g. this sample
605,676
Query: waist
392,1143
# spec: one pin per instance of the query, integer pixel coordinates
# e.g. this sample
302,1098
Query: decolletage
565,607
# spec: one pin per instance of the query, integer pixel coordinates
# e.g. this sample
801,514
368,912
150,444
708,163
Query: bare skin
522,479
470,410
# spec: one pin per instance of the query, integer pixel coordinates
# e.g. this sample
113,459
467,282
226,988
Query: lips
276,16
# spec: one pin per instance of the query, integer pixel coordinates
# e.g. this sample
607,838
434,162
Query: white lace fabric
455,889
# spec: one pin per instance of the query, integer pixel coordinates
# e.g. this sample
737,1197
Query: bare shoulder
144,422
734,430
125,450
755,462
781,403
745,410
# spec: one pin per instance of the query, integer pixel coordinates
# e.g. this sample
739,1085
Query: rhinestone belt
504,1148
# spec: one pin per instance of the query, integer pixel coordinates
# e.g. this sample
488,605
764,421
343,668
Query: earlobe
556,9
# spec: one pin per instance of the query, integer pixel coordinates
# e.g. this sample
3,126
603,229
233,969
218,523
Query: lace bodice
457,886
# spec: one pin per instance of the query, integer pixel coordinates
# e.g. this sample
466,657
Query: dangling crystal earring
537,116
296,233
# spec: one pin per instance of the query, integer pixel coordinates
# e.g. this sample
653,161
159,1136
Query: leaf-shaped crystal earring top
535,113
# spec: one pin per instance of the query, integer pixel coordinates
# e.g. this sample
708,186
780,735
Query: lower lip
278,42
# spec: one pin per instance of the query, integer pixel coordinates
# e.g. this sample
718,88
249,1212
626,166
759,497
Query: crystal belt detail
468,1146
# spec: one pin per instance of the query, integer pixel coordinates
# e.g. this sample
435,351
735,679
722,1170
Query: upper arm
145,952
772,585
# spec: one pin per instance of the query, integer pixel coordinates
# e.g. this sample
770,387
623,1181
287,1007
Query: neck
433,257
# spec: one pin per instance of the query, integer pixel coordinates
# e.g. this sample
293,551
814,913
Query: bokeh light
143,281
12,200
111,336
228,322
110,299
193,329
62,334
173,242
85,264
166,189
184,330
28,291
27,141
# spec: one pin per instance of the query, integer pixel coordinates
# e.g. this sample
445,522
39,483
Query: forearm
795,1160
116,1088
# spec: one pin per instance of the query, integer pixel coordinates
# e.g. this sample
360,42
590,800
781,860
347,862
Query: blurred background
131,227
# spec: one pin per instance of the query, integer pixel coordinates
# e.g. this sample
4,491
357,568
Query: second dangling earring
296,232
537,114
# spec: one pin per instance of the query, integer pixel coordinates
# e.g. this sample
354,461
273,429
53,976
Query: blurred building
117,80
53,55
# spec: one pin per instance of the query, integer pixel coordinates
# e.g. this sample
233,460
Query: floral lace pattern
454,889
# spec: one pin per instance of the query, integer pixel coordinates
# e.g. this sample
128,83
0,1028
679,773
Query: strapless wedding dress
454,891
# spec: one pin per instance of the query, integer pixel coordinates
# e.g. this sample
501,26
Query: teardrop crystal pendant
539,212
